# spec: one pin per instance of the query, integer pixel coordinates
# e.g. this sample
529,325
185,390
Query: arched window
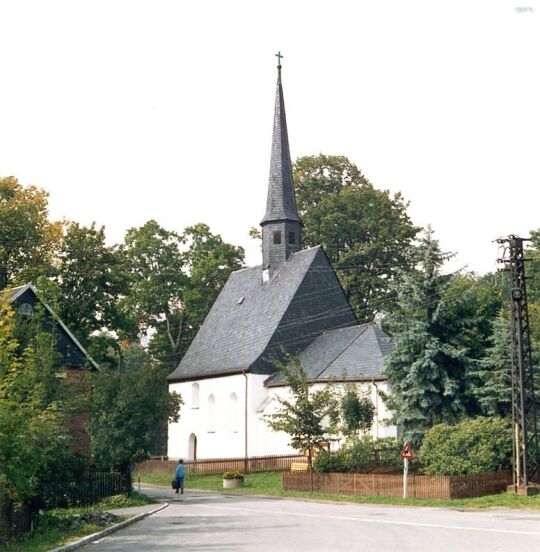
233,413
195,395
211,414
192,447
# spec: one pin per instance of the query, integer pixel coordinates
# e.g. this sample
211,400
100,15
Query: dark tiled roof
73,353
281,202
253,322
354,353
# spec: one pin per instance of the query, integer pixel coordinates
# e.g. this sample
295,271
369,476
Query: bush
472,446
332,462
361,456
388,453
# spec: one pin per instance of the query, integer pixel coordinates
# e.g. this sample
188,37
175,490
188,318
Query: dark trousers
179,484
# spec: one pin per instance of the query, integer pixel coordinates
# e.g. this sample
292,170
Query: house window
277,238
211,414
292,238
233,413
195,395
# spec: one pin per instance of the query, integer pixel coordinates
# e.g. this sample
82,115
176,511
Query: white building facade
224,417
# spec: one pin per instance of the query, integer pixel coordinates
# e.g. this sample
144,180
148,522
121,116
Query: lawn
270,484
52,531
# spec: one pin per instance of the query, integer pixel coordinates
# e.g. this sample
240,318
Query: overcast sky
128,110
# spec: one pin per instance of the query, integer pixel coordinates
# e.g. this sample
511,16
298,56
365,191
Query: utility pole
525,439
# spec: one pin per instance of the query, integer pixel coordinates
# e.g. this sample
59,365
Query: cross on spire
279,56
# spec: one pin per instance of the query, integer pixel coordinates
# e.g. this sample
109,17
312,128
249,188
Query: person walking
180,473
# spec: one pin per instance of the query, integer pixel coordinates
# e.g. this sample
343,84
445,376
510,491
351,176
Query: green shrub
361,456
472,446
332,462
389,453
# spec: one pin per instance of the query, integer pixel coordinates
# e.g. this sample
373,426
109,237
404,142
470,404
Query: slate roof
355,353
72,351
254,322
281,203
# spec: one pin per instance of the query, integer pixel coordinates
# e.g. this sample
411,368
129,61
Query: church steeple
281,227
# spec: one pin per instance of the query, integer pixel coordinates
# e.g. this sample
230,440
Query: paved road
201,521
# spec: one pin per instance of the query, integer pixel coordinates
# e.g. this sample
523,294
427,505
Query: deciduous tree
357,411
366,232
309,416
28,241
91,278
129,404
175,279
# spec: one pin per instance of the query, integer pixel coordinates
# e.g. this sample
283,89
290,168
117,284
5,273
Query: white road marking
380,521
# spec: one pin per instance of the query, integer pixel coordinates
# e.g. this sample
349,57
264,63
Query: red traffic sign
406,451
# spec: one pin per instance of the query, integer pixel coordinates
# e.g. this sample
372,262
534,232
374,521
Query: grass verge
40,541
53,530
270,484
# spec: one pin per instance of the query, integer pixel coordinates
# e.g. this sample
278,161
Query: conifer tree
427,367
494,371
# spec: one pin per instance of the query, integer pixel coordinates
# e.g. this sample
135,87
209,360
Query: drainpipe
376,408
245,423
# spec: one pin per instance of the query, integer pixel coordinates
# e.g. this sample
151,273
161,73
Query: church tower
281,226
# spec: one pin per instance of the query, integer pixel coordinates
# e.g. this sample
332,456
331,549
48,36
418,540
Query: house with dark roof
291,304
72,356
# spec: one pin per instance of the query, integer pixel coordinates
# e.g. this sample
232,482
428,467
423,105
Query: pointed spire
281,227
281,204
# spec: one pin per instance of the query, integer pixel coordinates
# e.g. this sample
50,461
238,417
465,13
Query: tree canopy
130,404
28,240
366,232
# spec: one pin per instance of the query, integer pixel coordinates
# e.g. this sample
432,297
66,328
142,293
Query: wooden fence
216,466
418,486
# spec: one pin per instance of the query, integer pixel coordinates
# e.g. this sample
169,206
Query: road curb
100,534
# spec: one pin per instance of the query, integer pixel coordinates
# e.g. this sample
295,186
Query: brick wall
79,382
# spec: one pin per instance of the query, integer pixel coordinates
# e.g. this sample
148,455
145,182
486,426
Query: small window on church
277,237
233,413
195,395
211,419
292,238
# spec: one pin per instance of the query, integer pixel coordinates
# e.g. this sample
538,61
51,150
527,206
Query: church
291,304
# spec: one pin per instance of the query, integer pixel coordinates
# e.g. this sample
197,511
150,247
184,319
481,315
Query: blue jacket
180,470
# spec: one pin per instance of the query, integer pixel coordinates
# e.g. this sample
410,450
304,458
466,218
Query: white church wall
219,432
380,427
207,419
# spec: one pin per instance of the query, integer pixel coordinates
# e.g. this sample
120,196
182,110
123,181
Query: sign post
406,454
